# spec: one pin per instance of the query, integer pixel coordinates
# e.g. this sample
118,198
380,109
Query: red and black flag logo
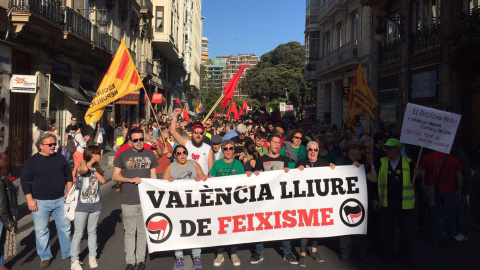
159,227
352,213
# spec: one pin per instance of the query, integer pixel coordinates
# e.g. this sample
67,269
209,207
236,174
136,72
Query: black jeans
406,220
304,243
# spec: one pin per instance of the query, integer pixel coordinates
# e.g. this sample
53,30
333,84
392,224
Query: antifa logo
352,213
195,157
159,227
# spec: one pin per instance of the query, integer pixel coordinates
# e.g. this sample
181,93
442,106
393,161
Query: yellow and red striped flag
121,78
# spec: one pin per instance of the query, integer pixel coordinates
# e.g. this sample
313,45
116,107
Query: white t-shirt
200,155
80,142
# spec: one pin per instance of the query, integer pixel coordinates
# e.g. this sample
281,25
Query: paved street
112,256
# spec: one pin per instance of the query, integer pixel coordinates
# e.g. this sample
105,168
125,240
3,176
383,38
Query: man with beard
197,150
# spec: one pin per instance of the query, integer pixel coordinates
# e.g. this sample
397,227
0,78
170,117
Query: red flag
215,115
230,88
228,112
234,111
245,106
240,111
178,102
185,114
263,103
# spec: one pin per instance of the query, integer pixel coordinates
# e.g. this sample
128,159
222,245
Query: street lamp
101,18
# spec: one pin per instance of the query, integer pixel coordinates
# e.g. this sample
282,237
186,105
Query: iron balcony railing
426,38
390,51
77,24
102,40
145,67
115,45
346,52
48,10
472,13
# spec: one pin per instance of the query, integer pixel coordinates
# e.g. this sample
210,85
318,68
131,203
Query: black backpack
12,194
71,147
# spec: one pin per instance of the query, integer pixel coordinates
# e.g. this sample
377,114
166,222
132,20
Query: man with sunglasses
199,151
43,180
130,166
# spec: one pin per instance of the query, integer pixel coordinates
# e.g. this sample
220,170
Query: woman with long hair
165,159
90,175
99,136
251,156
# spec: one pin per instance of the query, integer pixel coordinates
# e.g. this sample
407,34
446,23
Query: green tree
278,76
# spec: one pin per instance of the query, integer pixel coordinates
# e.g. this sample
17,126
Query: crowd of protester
400,195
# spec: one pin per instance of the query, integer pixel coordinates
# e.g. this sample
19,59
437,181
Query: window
393,33
355,29
427,13
314,47
341,35
159,20
326,44
365,18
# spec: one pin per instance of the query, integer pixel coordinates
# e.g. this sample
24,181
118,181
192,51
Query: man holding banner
130,166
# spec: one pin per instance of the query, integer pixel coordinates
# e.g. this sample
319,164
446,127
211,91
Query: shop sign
130,98
23,84
424,84
5,59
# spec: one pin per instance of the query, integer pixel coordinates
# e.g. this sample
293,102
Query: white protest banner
430,128
313,203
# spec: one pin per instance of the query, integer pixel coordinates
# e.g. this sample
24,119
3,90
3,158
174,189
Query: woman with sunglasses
222,167
178,170
293,149
90,176
311,161
51,130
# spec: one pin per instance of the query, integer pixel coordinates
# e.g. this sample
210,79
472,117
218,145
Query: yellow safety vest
208,135
408,192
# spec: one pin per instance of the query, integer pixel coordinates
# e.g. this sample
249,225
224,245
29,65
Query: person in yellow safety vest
208,129
396,199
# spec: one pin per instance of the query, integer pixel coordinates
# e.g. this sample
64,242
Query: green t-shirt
301,153
262,150
221,168
330,157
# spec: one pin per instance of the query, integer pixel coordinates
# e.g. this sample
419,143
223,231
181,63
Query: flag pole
213,108
373,126
154,112
416,166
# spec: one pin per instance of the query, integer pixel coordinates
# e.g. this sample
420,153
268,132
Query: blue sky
251,26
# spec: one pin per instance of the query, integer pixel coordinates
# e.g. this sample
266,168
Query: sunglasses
198,132
50,144
184,152
137,140
298,138
228,148
313,149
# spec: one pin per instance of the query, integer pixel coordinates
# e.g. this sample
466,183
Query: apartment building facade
68,46
337,38
232,66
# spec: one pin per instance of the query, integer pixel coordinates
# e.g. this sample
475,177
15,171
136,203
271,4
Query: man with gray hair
43,180
240,140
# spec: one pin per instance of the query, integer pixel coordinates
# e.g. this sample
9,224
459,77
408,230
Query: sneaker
316,257
197,263
235,260
45,263
141,266
290,258
130,267
219,260
93,262
76,266
461,237
180,263
256,258
302,262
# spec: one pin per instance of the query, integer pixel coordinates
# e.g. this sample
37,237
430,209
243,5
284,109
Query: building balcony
390,52
166,44
426,39
76,24
146,8
328,9
343,58
145,69
103,42
42,16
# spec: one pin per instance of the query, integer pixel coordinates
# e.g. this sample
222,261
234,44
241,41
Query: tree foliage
279,75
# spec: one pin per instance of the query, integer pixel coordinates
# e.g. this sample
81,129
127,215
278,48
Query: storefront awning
71,92
91,94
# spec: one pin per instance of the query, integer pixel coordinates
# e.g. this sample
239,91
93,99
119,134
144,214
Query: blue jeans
462,215
233,250
69,156
287,248
3,234
47,208
195,253
82,219
447,205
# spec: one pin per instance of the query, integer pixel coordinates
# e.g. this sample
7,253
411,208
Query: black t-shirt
71,129
239,143
320,162
267,163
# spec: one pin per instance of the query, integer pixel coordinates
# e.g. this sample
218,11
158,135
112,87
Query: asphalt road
111,253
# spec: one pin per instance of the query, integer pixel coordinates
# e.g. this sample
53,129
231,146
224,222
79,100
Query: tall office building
204,50
233,64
